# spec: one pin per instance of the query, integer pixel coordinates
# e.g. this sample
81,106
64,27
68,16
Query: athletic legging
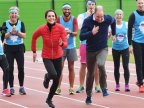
5,67
54,69
125,61
15,52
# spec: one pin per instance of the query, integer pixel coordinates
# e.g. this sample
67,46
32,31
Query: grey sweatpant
92,58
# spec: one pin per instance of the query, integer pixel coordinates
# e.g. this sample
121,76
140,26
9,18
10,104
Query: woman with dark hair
54,39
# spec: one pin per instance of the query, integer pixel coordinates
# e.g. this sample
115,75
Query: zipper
52,45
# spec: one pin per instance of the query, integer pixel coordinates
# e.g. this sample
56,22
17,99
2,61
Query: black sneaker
46,81
105,92
22,91
50,104
88,100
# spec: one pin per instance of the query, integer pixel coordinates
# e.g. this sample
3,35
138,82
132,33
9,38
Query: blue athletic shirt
139,28
121,42
13,39
69,25
1,48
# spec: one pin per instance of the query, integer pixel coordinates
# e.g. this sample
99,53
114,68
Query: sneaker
46,81
58,91
12,91
50,104
6,93
105,92
117,87
88,100
22,91
141,89
127,88
71,91
80,89
98,89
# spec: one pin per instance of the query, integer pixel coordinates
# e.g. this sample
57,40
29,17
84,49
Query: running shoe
127,88
50,104
6,93
105,92
58,91
12,91
141,89
88,100
98,89
117,87
22,91
80,89
71,91
46,81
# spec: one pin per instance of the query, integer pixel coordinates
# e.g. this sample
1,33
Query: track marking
13,103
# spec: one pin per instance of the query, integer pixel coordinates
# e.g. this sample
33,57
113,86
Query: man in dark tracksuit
95,31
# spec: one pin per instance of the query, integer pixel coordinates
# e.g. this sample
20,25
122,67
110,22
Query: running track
36,94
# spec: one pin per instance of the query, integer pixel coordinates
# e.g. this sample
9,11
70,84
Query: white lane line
67,84
64,97
107,65
77,67
72,99
13,103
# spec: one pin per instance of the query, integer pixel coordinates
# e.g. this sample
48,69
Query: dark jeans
54,69
15,52
125,61
92,58
138,50
5,67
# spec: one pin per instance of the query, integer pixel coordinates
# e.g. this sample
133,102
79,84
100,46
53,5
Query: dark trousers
125,61
54,69
19,57
92,58
138,50
5,67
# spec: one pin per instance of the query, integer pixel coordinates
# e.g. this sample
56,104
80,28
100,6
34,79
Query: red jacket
51,48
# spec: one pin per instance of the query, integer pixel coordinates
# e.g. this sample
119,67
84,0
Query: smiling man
71,27
95,31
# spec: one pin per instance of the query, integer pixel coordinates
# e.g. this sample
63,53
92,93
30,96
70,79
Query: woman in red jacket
54,39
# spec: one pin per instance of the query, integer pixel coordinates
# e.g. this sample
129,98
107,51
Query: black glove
0,28
3,29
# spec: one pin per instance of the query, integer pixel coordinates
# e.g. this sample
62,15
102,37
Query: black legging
125,61
5,67
54,69
138,50
15,52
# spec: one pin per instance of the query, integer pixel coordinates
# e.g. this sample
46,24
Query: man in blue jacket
95,31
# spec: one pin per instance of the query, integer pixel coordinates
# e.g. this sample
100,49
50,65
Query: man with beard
71,27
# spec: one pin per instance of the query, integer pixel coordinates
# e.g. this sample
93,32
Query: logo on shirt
14,38
141,27
120,37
